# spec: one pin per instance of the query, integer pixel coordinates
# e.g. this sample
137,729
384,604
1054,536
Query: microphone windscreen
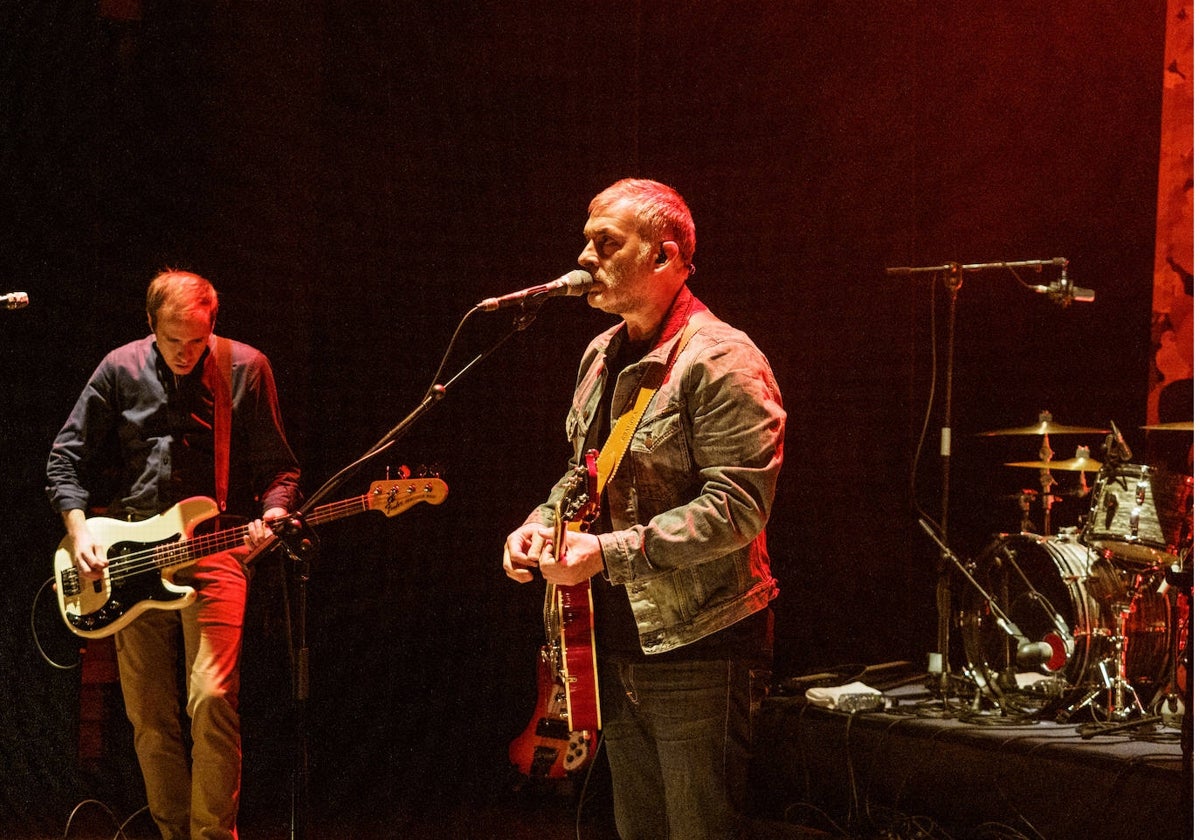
577,282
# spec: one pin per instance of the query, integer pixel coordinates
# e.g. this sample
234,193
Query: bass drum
1064,603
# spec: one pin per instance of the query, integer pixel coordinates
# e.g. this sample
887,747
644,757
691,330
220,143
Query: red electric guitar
560,735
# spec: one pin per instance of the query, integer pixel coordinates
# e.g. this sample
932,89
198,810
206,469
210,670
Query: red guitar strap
222,386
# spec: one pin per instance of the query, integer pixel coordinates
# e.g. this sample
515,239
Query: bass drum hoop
1015,569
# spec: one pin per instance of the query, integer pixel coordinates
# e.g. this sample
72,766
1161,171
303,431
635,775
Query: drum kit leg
1094,619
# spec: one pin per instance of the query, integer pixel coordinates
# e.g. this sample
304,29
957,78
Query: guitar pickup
553,728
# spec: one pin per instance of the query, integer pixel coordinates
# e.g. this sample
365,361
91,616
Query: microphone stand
300,543
952,277
1006,624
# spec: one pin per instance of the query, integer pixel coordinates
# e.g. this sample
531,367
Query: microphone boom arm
1002,620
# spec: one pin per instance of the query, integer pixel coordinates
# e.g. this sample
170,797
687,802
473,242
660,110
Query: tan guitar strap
222,386
619,438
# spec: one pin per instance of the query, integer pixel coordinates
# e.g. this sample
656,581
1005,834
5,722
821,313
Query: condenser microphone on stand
1064,290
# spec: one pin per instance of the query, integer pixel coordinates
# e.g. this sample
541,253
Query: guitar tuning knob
403,472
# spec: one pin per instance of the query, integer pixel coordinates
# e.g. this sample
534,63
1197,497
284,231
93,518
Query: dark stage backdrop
355,176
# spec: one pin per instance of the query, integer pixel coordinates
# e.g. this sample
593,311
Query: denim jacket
690,499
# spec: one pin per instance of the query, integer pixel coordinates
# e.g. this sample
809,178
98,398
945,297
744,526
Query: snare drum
1138,514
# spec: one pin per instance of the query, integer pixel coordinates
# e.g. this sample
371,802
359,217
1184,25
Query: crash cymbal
1070,465
1047,427
1181,426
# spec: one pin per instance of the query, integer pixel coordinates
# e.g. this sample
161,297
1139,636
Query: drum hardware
1028,653
1049,500
1123,591
1092,635
1024,501
1172,705
1122,700
1081,463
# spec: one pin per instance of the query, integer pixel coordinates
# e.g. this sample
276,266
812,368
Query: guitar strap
621,435
222,417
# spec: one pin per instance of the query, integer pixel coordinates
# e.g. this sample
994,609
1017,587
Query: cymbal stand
1122,702
1047,481
1180,578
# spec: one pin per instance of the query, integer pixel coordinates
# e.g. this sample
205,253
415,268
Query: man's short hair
661,211
173,293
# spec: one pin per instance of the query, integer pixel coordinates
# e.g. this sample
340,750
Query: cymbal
1071,465
1181,426
1046,427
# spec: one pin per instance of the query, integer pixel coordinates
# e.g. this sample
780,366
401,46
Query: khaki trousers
190,797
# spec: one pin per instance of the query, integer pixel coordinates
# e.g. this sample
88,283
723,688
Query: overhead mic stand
1061,292
296,537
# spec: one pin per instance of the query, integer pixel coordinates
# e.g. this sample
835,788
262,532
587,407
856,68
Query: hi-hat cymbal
1046,427
1070,465
1181,426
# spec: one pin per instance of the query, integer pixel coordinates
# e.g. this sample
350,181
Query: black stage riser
1042,780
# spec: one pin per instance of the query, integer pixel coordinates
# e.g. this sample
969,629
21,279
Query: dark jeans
678,741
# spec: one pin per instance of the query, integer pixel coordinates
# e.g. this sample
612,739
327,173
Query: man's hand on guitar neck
532,546
260,534
259,531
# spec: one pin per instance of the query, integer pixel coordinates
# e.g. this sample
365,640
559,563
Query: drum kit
1092,618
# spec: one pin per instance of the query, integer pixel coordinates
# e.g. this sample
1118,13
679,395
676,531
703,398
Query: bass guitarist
181,413
677,557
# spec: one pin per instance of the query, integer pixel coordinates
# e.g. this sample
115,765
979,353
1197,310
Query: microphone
14,300
573,283
1034,654
1064,291
1122,450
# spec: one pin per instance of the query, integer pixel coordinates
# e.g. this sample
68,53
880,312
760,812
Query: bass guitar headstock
397,495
